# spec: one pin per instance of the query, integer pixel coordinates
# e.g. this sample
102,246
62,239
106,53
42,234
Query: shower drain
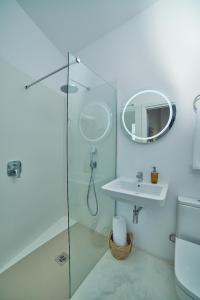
62,258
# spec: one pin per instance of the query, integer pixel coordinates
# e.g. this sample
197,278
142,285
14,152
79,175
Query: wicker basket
121,252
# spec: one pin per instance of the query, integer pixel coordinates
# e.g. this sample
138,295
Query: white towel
196,146
119,231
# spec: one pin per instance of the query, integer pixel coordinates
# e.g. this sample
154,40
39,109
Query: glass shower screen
91,151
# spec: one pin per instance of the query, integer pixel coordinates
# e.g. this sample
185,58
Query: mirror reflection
147,116
95,121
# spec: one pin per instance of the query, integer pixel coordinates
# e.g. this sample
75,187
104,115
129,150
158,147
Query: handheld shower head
93,151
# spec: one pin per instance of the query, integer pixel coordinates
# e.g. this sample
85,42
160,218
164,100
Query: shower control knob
14,168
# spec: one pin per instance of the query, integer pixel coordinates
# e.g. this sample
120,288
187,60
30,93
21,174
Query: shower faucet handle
14,168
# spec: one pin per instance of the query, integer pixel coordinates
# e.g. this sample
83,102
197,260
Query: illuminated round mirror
95,121
147,116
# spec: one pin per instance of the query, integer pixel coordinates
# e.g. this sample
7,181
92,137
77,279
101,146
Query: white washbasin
136,192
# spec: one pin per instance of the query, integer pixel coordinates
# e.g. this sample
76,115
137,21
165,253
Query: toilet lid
187,266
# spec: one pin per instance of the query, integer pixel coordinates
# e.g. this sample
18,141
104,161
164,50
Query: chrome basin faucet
139,176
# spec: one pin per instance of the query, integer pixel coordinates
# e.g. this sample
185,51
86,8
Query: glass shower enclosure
54,217
91,162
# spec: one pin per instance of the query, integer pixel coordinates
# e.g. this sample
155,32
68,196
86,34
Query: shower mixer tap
14,168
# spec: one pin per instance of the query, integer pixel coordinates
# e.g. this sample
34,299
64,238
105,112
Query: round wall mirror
95,121
147,116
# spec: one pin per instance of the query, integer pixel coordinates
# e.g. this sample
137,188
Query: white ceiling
71,25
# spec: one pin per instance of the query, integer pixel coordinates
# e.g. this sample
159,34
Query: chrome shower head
72,88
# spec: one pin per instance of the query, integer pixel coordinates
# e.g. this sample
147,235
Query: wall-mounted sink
141,193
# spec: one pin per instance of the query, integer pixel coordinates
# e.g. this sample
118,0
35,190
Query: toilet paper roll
119,231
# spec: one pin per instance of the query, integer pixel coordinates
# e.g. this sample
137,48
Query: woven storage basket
121,252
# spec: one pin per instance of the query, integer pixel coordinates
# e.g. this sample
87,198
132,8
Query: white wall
157,49
26,47
31,130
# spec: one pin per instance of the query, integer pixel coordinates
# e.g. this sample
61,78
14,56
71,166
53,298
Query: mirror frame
133,136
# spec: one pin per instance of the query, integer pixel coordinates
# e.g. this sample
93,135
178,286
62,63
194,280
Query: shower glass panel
91,163
33,214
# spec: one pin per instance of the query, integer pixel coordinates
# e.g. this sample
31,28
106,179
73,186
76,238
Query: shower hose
92,185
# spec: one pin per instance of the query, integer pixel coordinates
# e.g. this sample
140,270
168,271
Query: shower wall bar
82,85
77,60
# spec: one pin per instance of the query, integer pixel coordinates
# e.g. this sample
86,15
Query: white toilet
187,249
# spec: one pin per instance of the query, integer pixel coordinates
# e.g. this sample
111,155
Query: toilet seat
187,267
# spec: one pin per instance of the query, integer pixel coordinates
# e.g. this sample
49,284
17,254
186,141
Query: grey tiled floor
140,277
